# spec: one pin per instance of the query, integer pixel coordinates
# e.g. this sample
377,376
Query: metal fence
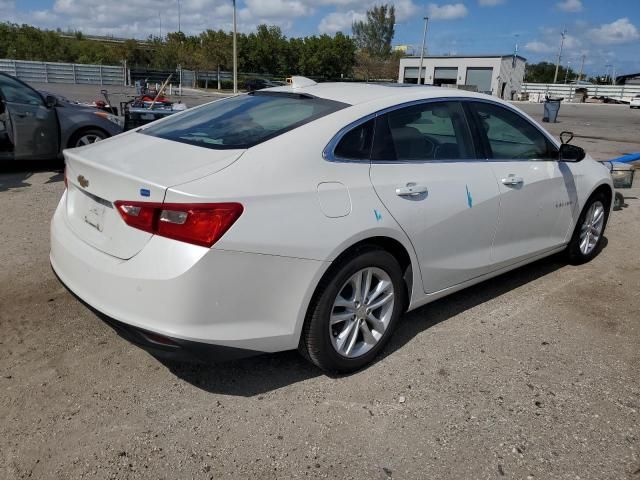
49,72
623,93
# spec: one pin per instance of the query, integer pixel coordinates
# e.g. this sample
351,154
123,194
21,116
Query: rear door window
243,121
428,131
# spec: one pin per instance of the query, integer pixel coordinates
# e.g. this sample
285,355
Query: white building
500,75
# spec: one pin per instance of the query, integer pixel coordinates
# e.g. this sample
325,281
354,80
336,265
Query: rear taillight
198,223
66,182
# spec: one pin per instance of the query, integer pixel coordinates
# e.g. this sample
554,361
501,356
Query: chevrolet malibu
312,216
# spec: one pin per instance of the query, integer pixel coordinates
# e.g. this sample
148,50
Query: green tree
266,51
544,72
374,35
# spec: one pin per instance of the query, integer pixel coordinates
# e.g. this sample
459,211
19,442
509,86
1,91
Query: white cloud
550,43
134,18
537,46
278,8
620,31
405,9
339,22
570,5
449,11
490,3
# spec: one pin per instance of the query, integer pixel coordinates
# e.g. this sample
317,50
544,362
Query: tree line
544,72
265,51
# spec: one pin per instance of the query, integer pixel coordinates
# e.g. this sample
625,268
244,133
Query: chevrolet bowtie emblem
84,183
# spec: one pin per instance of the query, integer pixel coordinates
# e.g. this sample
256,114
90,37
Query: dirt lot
532,375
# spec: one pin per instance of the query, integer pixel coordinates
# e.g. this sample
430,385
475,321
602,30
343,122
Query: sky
606,32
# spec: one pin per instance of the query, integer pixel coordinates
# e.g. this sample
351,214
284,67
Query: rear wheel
354,311
586,241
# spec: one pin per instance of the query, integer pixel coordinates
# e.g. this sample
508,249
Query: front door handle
512,180
411,190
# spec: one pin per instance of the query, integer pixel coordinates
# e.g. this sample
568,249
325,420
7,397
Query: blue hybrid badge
469,198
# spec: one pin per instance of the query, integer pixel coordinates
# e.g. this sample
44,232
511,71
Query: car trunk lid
140,168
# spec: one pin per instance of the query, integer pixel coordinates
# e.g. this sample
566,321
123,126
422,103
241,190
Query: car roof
354,93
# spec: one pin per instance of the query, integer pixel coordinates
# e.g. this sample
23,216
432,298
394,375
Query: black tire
315,341
573,253
91,132
618,201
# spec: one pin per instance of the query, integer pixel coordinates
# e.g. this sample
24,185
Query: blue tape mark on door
469,198
145,192
378,215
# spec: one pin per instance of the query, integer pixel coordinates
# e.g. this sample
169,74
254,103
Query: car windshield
243,121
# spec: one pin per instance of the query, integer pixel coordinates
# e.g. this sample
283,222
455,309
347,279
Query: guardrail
622,93
50,72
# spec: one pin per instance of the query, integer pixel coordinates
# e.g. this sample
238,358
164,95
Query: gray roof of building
466,56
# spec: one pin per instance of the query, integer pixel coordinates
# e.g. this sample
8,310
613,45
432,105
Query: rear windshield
243,121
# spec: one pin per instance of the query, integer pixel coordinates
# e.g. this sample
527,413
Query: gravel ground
531,375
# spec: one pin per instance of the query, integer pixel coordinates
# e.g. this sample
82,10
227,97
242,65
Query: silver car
35,125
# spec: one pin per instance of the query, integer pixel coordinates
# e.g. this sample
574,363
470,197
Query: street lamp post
235,51
424,38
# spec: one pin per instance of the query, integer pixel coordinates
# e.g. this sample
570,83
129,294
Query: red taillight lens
66,182
200,224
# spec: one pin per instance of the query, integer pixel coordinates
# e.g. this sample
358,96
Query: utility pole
563,35
566,72
581,68
160,19
235,51
613,74
424,38
179,17
606,76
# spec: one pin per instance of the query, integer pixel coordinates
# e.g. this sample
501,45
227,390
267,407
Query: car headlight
112,118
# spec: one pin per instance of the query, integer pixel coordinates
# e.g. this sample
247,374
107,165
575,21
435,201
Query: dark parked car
38,125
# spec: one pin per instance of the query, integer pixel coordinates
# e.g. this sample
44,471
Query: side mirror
51,101
571,153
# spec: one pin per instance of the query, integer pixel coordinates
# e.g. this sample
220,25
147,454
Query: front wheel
354,311
88,137
587,238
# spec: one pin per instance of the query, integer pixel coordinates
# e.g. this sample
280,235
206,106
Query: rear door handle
411,190
512,180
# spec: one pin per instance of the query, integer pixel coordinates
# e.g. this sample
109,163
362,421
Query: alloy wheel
591,229
88,139
361,312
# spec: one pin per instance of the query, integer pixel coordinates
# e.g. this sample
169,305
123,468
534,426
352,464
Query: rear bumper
189,294
169,348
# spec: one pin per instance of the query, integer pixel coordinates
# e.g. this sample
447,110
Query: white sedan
635,102
312,216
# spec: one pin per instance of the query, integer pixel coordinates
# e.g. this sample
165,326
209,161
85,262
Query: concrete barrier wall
618,92
50,72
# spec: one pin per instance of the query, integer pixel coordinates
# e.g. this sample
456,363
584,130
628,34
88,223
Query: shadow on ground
257,375
15,175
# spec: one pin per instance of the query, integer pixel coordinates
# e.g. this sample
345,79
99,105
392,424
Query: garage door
445,76
411,74
481,78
